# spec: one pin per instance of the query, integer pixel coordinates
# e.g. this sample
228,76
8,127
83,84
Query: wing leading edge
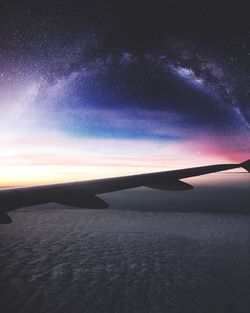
83,194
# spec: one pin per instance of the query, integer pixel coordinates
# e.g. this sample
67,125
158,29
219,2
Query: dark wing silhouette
83,194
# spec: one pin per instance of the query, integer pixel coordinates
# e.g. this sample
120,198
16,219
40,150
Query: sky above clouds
104,88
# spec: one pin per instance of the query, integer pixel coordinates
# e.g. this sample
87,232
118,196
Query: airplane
83,194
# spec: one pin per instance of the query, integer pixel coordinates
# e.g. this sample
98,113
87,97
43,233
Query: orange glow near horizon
39,175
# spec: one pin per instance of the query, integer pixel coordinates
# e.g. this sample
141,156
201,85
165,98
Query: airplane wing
83,194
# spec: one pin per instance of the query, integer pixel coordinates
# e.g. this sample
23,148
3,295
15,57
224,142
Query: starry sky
104,88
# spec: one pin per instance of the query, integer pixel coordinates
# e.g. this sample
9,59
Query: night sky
101,88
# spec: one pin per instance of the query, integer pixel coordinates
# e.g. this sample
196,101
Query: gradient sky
103,88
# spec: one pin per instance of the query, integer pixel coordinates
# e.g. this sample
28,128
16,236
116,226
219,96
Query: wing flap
90,201
176,185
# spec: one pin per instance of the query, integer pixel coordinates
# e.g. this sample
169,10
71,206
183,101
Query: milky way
67,82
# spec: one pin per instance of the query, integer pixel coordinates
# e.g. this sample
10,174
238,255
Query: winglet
246,165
